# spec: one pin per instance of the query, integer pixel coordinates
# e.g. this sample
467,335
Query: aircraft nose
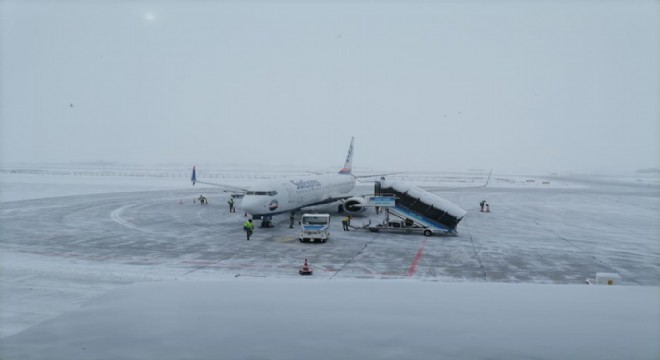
251,205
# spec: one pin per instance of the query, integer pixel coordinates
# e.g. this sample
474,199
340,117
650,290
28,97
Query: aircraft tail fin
348,165
488,179
193,178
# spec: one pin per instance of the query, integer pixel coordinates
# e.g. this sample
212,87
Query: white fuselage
278,196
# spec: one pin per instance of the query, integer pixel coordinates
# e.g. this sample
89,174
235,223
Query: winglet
193,178
348,165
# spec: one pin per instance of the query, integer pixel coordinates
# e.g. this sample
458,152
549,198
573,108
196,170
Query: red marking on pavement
418,255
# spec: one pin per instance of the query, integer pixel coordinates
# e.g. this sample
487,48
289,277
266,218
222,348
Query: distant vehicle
315,227
278,196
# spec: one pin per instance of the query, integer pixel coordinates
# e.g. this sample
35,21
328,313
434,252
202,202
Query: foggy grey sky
547,85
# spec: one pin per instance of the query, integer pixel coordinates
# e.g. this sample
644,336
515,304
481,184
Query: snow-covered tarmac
61,252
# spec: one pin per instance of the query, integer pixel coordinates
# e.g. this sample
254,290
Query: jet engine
354,205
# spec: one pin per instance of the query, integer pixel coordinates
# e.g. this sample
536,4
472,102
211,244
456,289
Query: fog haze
437,85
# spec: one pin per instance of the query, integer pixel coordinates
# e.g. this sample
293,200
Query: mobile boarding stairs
410,209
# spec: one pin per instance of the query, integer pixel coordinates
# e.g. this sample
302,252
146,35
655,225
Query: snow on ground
25,182
305,318
158,285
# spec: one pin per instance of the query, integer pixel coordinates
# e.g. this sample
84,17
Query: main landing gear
266,222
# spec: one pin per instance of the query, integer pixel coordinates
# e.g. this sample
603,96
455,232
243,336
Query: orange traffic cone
305,270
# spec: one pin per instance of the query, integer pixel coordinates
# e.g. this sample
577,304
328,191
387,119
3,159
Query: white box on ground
607,278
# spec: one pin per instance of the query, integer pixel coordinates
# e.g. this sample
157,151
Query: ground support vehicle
315,227
401,220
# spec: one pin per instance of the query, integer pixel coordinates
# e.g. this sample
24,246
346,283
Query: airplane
271,197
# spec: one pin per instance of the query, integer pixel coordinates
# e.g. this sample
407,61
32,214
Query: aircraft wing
355,176
373,175
450,188
330,199
230,188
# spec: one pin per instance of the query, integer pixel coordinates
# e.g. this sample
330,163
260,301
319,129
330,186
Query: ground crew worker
482,203
487,208
292,217
231,205
248,227
202,200
346,222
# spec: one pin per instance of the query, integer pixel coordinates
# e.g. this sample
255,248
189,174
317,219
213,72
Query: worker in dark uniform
482,203
202,200
346,222
292,218
231,205
248,227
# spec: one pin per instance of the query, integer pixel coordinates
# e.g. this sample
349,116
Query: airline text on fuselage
308,184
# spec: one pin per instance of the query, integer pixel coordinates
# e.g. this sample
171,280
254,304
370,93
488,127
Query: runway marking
356,256
474,247
586,253
418,255
116,217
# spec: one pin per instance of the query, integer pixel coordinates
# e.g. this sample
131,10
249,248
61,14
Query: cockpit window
262,193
